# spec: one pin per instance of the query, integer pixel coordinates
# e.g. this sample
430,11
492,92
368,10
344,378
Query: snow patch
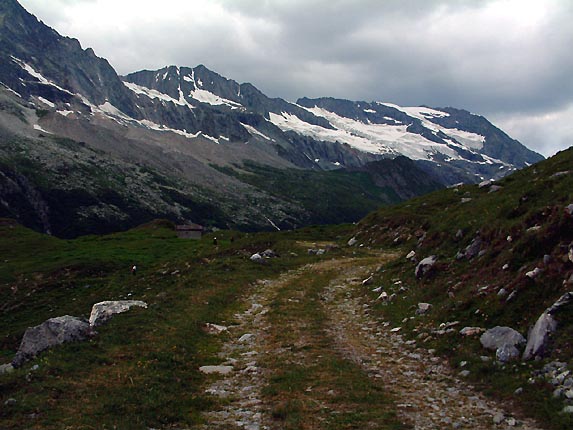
154,94
208,97
32,72
254,132
46,102
39,128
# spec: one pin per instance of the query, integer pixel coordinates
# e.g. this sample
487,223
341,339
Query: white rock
383,296
367,281
532,274
103,311
215,328
352,241
411,255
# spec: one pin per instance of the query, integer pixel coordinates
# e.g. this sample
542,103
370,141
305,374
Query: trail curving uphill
307,354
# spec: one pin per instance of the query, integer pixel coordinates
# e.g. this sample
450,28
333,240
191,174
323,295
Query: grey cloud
503,59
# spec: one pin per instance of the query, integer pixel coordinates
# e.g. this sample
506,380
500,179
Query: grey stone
465,373
52,332
221,370
425,266
507,353
104,311
564,300
352,242
423,308
569,209
499,336
568,410
539,336
6,368
10,402
532,274
472,250
210,328
257,258
498,418
268,253
471,331
411,255
495,188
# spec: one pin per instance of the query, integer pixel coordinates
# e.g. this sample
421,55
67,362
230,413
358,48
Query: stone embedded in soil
221,370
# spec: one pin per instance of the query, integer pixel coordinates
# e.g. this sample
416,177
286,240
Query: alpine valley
83,150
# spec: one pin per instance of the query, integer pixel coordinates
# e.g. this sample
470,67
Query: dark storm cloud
508,60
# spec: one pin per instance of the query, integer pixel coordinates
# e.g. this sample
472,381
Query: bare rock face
103,311
52,332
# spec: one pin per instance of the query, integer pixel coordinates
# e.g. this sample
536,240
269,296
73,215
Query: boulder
52,332
497,337
569,209
425,266
103,311
539,336
545,325
352,242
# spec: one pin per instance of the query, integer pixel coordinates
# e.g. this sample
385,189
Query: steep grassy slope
522,223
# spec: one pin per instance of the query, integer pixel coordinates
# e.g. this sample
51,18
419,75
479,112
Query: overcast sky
509,60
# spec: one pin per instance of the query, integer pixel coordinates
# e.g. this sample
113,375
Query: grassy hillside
523,224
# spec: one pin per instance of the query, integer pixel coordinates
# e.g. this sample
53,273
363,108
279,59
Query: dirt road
307,354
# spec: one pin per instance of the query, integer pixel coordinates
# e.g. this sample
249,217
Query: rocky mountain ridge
197,129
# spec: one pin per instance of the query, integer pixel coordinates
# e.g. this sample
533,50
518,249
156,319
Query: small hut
189,231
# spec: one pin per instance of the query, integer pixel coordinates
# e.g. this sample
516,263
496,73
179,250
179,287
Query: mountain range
84,150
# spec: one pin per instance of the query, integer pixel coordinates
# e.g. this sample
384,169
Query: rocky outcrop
103,311
52,332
